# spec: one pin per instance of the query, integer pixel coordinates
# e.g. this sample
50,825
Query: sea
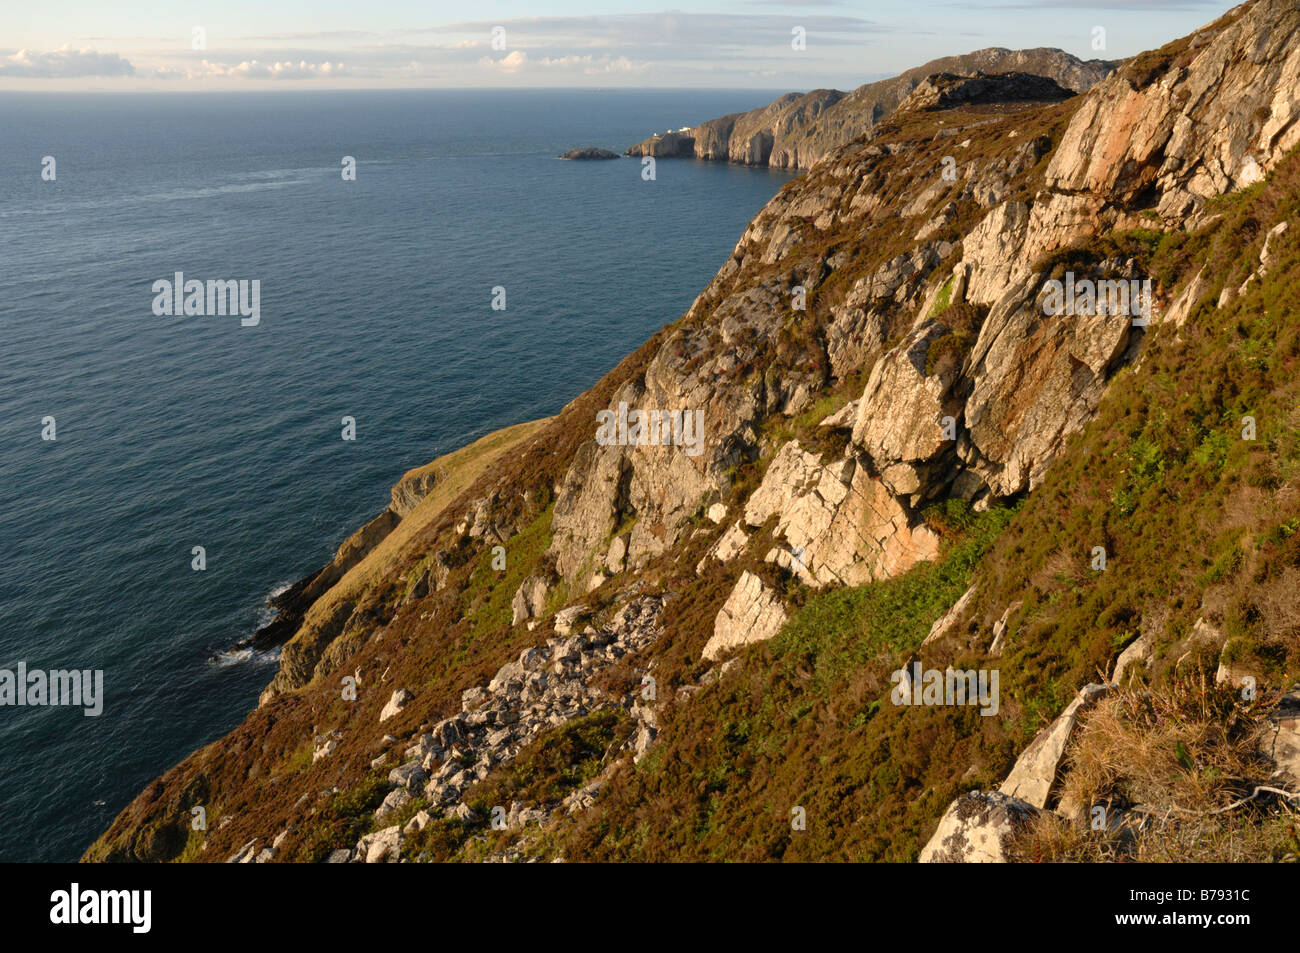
129,438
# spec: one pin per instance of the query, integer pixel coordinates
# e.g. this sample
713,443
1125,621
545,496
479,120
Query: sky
135,45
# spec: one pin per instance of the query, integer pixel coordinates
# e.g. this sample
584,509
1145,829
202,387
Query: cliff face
655,640
800,129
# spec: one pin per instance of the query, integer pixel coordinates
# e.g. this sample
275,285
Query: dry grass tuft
1174,768
1186,745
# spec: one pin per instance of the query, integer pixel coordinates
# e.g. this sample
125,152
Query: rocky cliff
800,129
692,616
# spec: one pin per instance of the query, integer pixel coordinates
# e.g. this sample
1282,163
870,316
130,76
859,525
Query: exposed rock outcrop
943,625
1034,777
399,700
548,685
979,828
1135,657
1281,740
841,525
530,599
1199,118
413,487
752,613
945,90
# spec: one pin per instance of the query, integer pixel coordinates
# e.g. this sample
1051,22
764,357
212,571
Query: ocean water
375,303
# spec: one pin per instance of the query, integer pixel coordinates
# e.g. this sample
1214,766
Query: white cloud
673,32
252,69
594,66
64,63
510,63
578,50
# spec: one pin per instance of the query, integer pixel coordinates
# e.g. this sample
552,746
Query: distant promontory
799,129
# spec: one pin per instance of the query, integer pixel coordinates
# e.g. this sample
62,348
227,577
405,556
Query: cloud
252,69
510,63
598,48
669,31
593,65
588,65
64,63
577,49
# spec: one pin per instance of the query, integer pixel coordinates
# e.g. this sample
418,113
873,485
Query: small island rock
591,152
